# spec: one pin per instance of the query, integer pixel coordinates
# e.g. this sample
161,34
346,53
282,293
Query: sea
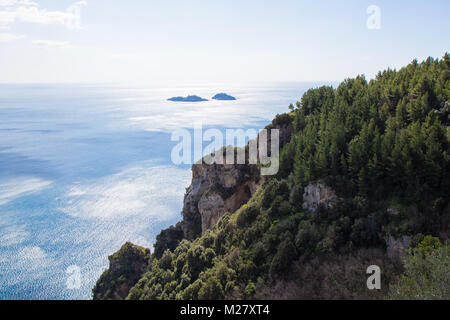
85,168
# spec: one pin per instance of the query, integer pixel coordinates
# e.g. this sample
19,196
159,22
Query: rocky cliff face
217,189
126,266
213,206
319,194
397,248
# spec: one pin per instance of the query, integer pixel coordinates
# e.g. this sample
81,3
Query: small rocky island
223,96
188,99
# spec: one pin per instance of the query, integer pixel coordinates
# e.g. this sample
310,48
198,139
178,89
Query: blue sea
85,168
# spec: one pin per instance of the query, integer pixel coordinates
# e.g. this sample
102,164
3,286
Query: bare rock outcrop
215,190
219,188
212,206
319,194
397,247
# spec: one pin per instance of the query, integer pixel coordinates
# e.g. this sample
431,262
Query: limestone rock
215,190
211,208
397,247
219,188
319,194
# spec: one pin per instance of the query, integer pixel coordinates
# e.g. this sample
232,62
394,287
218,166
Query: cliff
217,189
364,177
319,194
126,266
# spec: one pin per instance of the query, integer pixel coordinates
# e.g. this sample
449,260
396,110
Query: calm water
85,168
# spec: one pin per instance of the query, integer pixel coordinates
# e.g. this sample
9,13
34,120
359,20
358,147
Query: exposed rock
215,190
397,247
319,194
126,266
219,188
212,206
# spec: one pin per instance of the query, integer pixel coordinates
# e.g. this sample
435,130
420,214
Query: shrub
259,254
296,196
168,239
195,260
192,291
286,254
247,216
307,237
273,189
166,260
211,290
250,289
427,273
208,257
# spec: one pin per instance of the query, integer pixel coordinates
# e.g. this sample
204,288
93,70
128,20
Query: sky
200,41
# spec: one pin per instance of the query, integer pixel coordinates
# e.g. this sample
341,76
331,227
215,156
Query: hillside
364,176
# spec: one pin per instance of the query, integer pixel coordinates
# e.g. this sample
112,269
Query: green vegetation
381,145
126,267
427,273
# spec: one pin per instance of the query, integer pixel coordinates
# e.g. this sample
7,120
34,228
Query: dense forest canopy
383,146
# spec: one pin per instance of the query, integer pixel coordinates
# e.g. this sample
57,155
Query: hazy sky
167,41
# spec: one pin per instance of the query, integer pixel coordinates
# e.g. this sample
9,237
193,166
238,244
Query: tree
427,273
211,290
282,260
